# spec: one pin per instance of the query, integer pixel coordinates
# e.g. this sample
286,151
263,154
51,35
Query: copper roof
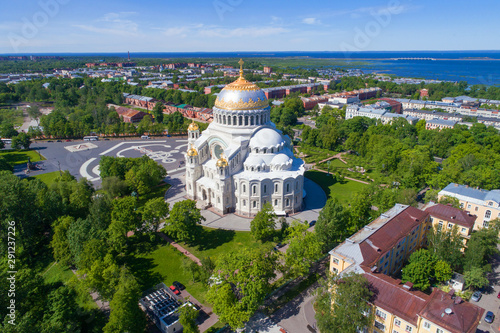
391,296
385,238
452,214
464,316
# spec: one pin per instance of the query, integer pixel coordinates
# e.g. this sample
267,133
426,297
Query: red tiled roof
392,297
452,214
390,234
121,110
464,318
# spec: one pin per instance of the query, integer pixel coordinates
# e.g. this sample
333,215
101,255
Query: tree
246,277
443,271
446,245
124,218
154,211
187,318
263,225
59,243
420,269
158,112
61,315
475,278
7,130
481,247
115,187
447,200
184,221
190,267
303,249
125,315
103,274
34,112
22,140
343,301
332,224
144,175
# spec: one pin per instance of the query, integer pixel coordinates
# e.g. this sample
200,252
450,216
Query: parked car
476,296
313,222
498,296
175,290
67,140
59,141
489,317
106,139
179,285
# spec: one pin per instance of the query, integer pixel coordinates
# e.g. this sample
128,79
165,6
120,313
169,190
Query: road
489,300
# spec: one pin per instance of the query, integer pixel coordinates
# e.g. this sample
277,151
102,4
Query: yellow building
447,217
380,249
400,309
482,203
386,243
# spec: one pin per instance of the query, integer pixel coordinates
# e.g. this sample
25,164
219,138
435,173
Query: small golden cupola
193,126
192,151
222,162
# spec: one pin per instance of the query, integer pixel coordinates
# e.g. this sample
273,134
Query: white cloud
113,24
311,20
242,32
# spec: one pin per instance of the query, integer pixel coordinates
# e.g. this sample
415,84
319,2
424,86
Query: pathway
353,179
180,248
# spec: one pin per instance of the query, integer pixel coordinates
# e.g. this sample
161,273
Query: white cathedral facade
240,162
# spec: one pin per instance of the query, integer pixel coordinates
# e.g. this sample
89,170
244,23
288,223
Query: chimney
451,293
458,300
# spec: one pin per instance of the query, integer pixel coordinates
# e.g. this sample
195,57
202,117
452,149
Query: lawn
15,157
341,191
48,178
213,242
57,273
162,264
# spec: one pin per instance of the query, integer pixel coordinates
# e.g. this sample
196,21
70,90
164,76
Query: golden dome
192,151
241,95
193,126
221,162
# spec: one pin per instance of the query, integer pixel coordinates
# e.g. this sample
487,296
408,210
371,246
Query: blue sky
30,26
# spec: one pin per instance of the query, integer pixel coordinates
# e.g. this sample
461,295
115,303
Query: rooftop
470,192
451,214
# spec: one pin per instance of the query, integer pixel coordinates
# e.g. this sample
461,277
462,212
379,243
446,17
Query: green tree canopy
263,224
184,221
420,269
345,306
245,280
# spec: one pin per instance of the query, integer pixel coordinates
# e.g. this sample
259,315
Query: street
489,300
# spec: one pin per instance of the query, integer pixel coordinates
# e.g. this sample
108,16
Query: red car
175,290
498,296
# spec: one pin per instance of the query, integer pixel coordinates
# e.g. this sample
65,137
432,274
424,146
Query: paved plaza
82,158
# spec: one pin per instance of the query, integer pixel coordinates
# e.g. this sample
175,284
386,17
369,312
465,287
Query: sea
475,67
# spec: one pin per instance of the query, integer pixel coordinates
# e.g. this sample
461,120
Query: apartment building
448,217
379,250
482,203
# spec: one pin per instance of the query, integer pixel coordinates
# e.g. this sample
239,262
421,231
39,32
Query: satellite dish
448,311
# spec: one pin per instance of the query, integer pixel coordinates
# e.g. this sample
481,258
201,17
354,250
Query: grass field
163,264
213,242
341,191
15,157
48,178
57,273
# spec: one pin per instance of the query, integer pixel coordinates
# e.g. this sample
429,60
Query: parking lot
489,300
82,158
